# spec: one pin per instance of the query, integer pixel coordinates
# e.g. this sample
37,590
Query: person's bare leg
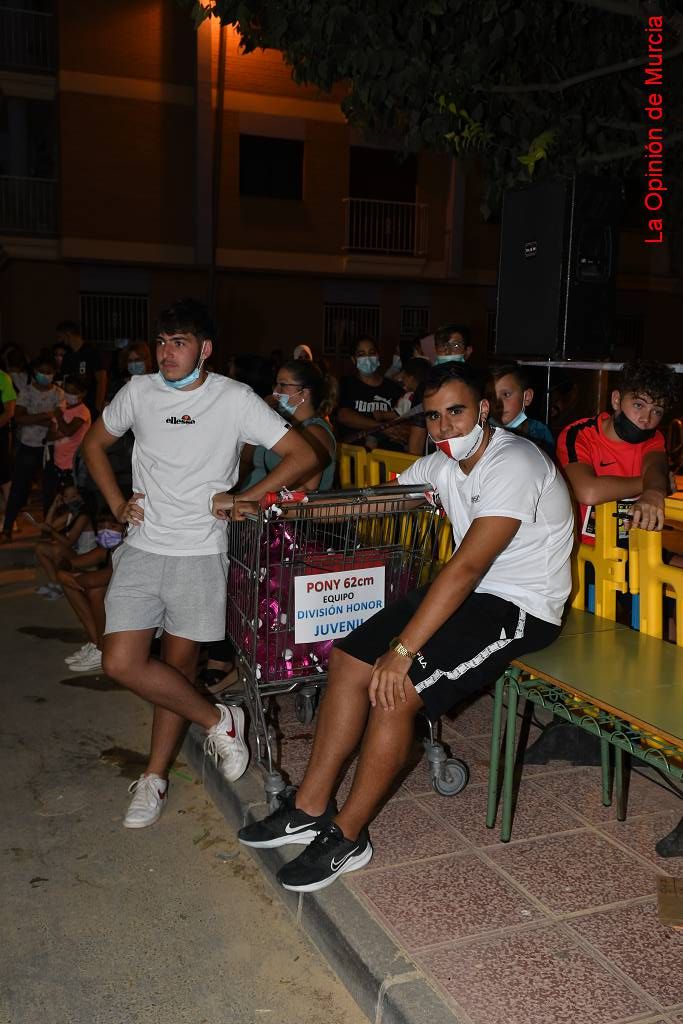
126,659
168,727
78,600
96,600
342,718
49,556
385,749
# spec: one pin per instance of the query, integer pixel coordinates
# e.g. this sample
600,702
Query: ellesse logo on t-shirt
181,419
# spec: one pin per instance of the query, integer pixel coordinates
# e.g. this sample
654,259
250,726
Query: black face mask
629,432
74,507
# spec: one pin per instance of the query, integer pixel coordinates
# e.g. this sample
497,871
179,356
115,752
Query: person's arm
94,451
352,420
417,436
24,418
67,427
7,412
481,545
100,389
590,489
648,511
98,556
320,443
298,461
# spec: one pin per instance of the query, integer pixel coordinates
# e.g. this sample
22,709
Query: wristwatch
397,645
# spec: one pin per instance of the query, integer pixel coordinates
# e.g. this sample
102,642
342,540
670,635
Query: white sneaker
44,590
149,800
90,662
225,743
80,653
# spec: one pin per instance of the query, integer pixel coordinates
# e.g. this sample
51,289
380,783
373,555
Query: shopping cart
307,569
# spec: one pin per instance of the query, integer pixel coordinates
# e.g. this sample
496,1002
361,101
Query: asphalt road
103,925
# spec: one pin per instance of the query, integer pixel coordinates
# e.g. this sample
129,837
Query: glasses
285,384
450,346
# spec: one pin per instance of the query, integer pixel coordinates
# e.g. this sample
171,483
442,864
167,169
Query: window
271,168
107,317
342,324
414,322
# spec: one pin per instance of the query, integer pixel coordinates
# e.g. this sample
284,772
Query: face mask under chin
627,431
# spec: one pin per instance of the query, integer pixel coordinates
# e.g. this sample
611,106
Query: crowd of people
141,470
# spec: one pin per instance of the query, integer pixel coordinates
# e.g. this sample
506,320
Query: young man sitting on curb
501,595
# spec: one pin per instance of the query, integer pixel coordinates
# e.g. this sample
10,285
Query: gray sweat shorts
184,595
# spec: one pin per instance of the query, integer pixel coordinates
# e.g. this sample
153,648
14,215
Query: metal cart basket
304,572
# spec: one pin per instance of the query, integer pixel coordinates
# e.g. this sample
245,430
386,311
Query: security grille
342,324
107,317
414,322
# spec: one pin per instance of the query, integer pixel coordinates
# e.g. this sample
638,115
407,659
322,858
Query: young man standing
170,573
502,594
82,358
621,455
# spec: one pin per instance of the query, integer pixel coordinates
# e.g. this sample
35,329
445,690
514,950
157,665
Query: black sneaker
672,845
329,855
286,825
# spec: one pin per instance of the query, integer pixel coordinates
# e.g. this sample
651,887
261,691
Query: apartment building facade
109,121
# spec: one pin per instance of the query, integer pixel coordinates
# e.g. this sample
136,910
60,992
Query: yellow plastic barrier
609,565
352,466
650,578
382,464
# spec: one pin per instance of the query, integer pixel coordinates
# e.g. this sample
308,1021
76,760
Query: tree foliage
532,88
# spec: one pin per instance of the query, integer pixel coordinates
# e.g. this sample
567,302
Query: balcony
27,40
378,228
28,206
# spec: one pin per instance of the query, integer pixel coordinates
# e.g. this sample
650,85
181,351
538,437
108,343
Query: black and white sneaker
286,825
329,855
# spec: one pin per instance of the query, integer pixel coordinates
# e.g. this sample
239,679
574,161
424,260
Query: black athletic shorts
465,655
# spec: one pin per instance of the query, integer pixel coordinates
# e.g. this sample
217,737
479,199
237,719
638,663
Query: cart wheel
453,777
304,708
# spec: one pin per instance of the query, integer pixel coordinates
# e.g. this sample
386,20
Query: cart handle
349,495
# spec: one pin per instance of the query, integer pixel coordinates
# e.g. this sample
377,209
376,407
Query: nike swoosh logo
289,829
336,864
231,731
608,463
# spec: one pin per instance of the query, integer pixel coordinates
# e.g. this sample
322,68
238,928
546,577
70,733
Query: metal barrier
28,205
352,465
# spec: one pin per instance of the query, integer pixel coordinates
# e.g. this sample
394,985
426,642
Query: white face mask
460,448
72,399
517,421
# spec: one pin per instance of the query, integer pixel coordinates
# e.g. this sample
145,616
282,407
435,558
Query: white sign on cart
331,604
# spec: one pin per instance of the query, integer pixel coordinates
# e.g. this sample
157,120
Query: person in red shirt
621,456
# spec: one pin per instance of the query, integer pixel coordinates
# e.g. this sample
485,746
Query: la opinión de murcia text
653,199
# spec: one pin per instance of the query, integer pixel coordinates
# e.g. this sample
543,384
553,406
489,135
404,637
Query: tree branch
624,154
586,76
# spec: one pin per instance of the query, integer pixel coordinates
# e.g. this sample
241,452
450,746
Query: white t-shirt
513,478
187,447
34,400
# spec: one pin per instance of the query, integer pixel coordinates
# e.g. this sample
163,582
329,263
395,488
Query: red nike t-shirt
584,441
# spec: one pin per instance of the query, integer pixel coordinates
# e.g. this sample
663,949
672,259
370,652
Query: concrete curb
17,556
378,974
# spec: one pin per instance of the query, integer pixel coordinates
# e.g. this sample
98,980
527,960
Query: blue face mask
517,421
449,359
191,377
135,367
108,538
285,404
43,378
367,364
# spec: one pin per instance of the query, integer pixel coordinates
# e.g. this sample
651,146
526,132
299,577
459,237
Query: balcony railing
387,228
27,40
28,206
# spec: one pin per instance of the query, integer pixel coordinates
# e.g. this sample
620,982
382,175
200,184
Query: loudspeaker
557,272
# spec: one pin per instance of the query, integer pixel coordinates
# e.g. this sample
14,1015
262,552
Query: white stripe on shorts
465,666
